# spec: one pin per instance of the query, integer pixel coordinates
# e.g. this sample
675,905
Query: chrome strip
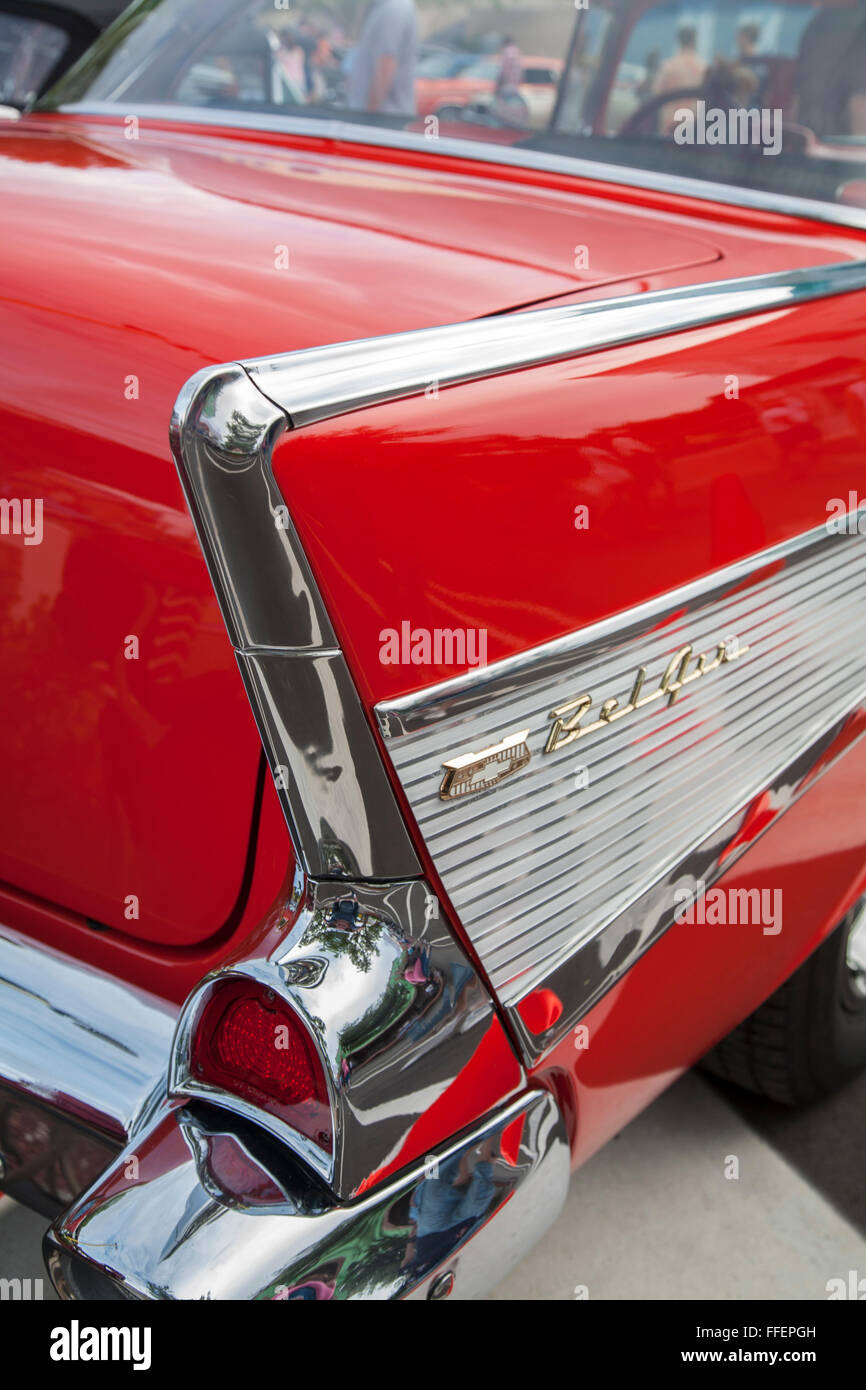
224,427
329,773
223,432
175,1233
392,987
86,1044
479,151
319,383
462,694
339,805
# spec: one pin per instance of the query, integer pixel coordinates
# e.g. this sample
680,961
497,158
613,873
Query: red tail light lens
250,1043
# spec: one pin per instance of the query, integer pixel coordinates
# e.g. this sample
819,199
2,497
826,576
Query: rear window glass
769,96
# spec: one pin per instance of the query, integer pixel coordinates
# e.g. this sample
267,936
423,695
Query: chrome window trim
478,151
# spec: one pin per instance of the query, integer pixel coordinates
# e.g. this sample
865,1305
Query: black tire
809,1037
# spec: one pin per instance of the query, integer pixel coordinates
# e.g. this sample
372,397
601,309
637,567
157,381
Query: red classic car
466,738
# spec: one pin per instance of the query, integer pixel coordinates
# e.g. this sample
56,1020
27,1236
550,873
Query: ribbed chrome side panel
540,864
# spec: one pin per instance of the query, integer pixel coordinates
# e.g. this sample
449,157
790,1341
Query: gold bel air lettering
476,772
568,719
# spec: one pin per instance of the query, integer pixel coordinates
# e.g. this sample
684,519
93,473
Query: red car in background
433,606
435,76
476,82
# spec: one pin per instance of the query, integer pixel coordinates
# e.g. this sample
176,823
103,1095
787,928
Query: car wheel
809,1037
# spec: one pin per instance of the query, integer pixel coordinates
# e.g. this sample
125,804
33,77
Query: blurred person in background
684,70
748,37
382,71
646,86
831,74
511,71
291,58
508,104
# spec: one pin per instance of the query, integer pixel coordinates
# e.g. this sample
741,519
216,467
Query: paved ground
654,1216
20,1245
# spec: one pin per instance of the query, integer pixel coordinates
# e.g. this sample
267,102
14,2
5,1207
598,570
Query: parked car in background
435,74
433,607
475,84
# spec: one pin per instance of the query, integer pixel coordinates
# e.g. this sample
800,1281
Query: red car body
140,836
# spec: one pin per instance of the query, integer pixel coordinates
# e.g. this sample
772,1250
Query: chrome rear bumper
185,1200
83,1058
203,1206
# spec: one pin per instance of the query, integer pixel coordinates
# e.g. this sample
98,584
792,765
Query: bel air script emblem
568,718
476,772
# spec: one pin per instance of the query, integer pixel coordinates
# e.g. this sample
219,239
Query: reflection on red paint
509,1145
540,1010
759,815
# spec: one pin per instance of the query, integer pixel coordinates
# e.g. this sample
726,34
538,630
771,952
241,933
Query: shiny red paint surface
170,972
130,782
462,507
679,480
451,511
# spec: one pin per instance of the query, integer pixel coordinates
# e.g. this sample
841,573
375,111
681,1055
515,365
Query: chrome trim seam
355,133
177,1234
87,1045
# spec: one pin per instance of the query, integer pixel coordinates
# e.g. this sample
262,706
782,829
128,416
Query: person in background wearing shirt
511,71
683,71
382,71
748,37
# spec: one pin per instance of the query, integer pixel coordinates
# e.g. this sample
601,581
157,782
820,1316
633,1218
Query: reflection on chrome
472,1209
394,1007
